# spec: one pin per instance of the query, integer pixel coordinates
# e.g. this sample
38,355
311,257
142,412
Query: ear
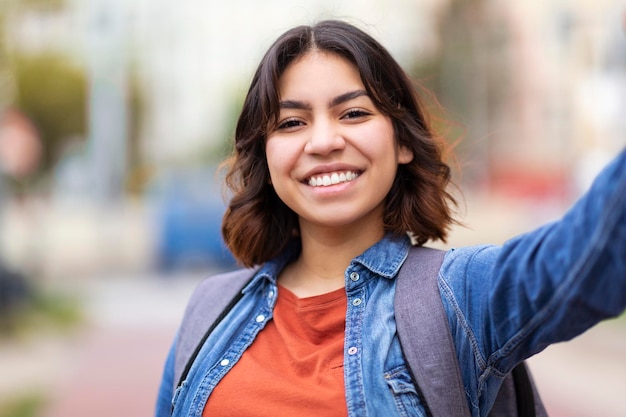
405,155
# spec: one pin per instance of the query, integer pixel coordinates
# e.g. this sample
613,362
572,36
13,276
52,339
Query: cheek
279,157
271,156
382,144
278,170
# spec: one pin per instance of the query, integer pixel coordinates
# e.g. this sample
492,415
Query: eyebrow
342,98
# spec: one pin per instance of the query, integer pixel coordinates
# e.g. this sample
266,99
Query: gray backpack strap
429,349
209,303
425,334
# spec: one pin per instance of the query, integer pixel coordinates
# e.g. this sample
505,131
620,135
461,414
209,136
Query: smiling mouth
332,178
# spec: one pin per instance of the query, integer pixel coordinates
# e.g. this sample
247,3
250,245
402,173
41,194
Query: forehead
319,73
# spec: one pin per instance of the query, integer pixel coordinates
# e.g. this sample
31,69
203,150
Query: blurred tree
6,81
470,74
45,87
138,173
42,4
53,93
52,88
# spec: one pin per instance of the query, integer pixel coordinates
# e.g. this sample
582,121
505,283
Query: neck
326,253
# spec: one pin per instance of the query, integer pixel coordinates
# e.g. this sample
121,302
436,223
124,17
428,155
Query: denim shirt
504,304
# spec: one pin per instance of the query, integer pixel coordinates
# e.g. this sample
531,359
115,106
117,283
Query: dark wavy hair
257,225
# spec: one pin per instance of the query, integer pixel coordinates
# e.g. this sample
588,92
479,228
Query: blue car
188,215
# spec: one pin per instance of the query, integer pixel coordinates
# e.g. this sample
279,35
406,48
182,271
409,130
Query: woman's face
332,156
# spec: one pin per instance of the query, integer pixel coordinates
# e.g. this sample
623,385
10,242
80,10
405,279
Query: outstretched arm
545,286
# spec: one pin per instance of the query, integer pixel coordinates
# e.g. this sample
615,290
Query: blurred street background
115,114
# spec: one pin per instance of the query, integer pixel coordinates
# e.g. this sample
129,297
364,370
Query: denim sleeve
166,389
506,303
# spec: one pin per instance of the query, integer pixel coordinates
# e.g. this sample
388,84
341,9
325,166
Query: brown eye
355,114
289,124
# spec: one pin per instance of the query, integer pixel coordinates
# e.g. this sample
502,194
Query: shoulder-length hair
257,225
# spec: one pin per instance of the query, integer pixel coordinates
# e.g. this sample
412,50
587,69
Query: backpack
422,327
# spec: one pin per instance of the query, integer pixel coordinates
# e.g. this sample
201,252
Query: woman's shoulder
461,258
223,283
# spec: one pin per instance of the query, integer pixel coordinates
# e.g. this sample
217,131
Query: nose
324,139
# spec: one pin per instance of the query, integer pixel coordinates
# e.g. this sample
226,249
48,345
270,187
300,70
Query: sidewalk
585,377
116,373
114,369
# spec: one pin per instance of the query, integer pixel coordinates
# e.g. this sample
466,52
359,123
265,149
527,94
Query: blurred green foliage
25,405
45,310
61,310
469,79
52,89
41,4
53,93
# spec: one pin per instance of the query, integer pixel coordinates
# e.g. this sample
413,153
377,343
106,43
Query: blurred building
196,58
544,78
540,88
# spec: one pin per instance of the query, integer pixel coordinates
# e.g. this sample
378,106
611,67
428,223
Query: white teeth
332,179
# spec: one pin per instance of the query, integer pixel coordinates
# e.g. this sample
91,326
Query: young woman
335,165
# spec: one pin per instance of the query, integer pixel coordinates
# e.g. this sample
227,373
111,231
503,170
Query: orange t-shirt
294,367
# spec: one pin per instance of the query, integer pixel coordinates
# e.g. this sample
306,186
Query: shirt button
354,276
352,350
260,318
270,294
356,302
224,362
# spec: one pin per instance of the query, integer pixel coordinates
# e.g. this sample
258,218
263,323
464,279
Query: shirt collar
384,258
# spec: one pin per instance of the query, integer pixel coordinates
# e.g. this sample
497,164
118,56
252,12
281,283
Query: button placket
258,312
353,343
